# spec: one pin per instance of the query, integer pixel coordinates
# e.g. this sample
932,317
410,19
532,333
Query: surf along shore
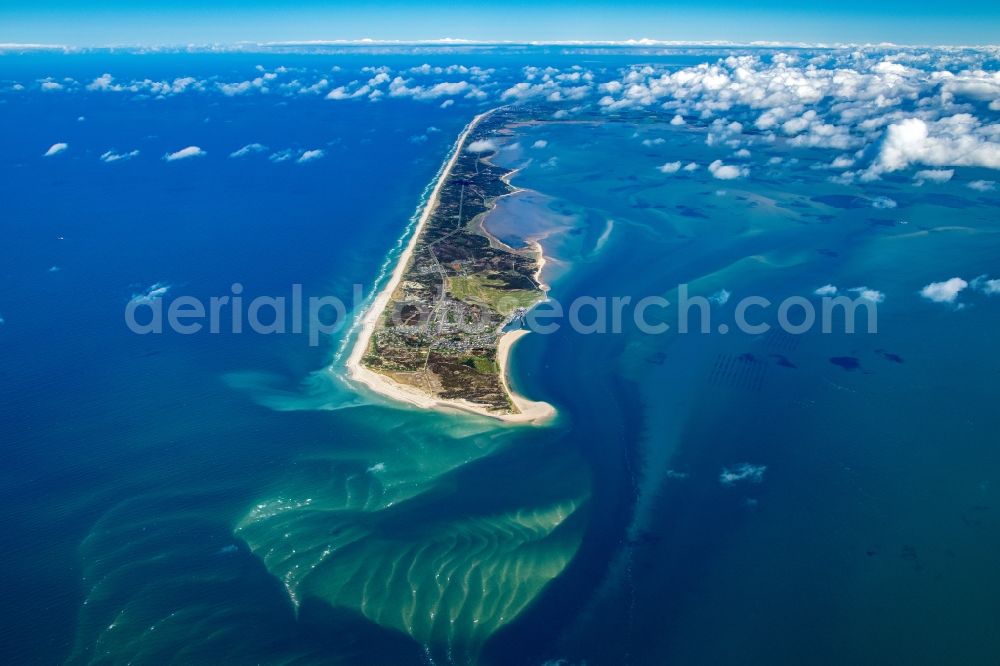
524,410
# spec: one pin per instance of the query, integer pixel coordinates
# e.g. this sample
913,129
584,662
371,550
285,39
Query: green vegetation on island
461,287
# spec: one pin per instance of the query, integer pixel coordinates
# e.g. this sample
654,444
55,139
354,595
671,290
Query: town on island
440,331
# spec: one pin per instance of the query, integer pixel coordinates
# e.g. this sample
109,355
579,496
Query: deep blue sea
701,499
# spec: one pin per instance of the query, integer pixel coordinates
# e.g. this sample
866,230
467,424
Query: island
439,333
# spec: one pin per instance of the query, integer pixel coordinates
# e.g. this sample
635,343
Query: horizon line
456,41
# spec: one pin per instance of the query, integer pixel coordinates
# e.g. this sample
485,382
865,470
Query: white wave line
385,271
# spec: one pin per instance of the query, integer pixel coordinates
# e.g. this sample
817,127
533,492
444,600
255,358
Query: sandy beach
529,411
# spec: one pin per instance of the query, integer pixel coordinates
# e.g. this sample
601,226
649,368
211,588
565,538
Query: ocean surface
702,498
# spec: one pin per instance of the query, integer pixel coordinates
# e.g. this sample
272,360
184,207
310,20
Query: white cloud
185,153
727,171
315,88
669,167
742,472
933,175
102,82
448,102
400,87
977,85
481,146
446,88
151,293
342,92
55,149
886,67
549,84
541,143
281,155
258,84
867,294
883,203
612,87
106,83
112,156
842,99
944,292
984,284
356,89
720,297
958,140
310,156
846,178
691,166
677,120
249,149
826,290
800,124
990,287
983,185
658,141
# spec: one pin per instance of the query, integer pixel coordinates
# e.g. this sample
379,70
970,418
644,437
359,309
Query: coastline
529,411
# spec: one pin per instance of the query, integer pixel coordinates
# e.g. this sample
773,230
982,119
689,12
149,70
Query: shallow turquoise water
867,538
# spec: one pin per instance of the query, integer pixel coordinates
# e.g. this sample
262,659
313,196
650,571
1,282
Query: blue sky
106,22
